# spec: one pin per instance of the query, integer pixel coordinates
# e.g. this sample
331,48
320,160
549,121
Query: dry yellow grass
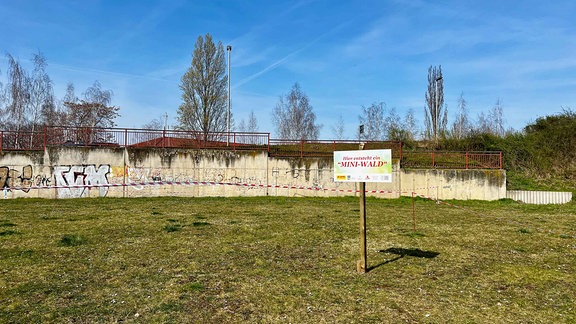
284,260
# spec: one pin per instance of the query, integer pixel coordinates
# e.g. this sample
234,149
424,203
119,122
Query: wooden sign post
361,167
362,265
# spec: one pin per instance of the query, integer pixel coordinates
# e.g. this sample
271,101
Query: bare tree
2,101
62,115
394,128
154,124
372,118
410,125
252,123
18,96
338,128
94,110
497,119
70,95
204,90
461,126
96,94
482,124
249,127
91,114
157,123
294,118
398,129
42,106
491,122
242,126
435,113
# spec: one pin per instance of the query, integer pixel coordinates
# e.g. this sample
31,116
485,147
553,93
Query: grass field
277,259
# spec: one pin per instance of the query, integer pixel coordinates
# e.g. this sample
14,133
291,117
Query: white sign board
363,166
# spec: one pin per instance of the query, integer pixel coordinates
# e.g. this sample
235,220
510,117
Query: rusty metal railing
452,160
144,138
126,137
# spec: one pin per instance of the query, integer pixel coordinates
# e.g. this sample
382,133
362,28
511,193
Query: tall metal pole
228,49
436,112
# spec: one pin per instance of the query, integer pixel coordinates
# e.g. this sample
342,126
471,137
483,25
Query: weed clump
7,224
71,240
172,227
199,224
8,232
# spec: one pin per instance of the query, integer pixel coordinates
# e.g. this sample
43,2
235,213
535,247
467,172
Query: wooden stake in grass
413,212
362,264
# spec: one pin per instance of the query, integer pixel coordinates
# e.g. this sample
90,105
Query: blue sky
344,54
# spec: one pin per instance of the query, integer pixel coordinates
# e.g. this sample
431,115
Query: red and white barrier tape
207,183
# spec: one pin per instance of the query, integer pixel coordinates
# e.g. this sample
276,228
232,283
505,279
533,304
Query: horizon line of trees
27,101
293,116
383,123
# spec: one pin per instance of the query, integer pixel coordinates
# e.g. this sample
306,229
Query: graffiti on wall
80,175
76,181
14,179
42,181
134,174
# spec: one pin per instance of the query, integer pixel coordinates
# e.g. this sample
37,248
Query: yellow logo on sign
340,177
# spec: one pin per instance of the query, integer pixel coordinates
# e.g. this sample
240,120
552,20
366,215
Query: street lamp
228,49
436,111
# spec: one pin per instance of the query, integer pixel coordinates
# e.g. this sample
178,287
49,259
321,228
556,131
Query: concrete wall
455,184
66,170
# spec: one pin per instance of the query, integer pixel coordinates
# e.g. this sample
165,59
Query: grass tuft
195,286
8,232
6,224
170,307
414,234
172,228
71,240
200,224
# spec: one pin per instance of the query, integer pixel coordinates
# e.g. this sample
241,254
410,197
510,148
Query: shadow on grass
401,252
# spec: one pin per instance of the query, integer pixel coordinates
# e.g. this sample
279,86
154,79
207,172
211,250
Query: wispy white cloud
292,54
98,72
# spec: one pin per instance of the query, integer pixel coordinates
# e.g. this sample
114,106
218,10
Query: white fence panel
539,197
